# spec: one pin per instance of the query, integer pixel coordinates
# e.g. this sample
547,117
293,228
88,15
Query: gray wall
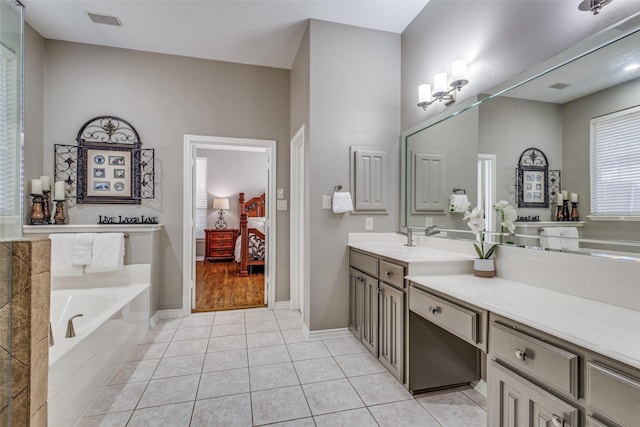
165,97
354,100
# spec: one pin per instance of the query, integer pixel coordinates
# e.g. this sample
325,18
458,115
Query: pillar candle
565,194
46,183
574,197
58,193
559,199
36,186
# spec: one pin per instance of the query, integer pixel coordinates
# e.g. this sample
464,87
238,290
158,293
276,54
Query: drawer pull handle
521,355
434,310
387,273
557,421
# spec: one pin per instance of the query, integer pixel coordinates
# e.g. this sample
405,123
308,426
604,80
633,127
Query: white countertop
410,254
603,328
91,228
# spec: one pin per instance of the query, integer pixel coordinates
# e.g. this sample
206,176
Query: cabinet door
356,295
370,179
370,314
391,345
515,402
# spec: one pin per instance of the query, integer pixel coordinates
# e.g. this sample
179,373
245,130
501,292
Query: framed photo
108,162
533,179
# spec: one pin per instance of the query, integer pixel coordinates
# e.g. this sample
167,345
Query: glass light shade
440,83
220,203
459,70
424,93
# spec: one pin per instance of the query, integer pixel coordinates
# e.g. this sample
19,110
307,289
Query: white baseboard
325,334
165,314
281,305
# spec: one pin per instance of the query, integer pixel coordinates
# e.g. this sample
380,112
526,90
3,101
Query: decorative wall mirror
532,179
108,164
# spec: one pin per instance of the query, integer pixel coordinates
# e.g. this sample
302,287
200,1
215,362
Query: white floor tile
404,413
380,388
223,383
290,323
198,319
179,366
148,351
117,398
262,326
360,364
268,355
277,405
300,422
354,417
272,376
224,360
166,391
264,339
229,317
224,329
187,347
287,314
176,415
258,315
331,396
225,343
308,350
192,333
157,335
346,345
167,324
292,336
454,409
231,411
140,370
115,419
316,370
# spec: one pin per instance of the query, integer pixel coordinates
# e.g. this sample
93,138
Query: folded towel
108,253
342,202
459,203
62,255
571,244
555,238
82,245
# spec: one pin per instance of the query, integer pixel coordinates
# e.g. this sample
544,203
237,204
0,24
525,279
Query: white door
297,234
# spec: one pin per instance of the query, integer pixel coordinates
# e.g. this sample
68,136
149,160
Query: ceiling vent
559,86
105,19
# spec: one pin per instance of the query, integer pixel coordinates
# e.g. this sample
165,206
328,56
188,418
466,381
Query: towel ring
337,188
459,191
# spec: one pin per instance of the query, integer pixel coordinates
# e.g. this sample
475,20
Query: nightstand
220,243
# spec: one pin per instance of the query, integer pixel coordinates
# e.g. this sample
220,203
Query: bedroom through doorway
230,246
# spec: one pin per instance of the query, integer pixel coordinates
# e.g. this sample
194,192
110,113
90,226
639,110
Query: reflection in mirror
477,148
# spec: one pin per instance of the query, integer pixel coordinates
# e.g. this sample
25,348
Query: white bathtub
114,319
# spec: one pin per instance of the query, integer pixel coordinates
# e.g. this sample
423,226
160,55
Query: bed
250,245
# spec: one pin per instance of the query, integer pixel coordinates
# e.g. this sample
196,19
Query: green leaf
490,251
478,250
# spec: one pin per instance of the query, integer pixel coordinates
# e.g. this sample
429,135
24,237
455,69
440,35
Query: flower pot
484,268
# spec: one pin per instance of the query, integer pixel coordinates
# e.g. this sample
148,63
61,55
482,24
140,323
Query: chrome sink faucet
409,237
71,332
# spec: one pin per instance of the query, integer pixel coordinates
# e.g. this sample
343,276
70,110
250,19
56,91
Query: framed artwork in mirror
532,179
108,162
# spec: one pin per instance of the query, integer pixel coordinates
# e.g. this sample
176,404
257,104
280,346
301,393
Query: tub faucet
431,230
70,331
51,341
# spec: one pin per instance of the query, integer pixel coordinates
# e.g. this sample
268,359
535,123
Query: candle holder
45,206
559,214
37,211
58,217
565,211
574,212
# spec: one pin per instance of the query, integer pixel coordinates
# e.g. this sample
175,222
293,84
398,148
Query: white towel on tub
108,253
82,248
62,255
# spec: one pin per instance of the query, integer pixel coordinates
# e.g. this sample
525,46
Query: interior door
192,227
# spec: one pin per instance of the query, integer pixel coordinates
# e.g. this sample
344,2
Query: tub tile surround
303,384
29,306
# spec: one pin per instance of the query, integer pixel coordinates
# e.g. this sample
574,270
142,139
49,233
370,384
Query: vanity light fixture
593,6
442,91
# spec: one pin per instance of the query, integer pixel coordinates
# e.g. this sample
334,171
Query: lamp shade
222,204
424,93
440,83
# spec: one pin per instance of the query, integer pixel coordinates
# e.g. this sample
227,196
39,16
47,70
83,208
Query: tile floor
254,367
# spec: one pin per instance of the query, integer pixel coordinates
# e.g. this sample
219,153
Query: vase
484,267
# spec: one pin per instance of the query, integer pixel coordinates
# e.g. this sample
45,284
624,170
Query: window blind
201,209
615,164
9,134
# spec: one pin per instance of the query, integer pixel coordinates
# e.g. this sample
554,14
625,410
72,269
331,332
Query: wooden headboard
253,207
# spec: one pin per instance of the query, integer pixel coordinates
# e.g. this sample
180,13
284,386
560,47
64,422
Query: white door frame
296,228
191,144
487,190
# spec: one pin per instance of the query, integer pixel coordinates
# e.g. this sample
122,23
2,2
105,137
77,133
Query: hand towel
572,243
459,203
553,241
62,254
108,253
342,202
82,248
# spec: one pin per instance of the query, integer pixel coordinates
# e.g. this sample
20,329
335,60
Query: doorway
297,227
194,144
487,188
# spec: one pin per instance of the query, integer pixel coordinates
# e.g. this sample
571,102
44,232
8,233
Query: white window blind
201,208
615,164
9,133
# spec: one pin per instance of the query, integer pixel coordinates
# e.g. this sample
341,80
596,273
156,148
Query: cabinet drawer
452,317
594,423
218,235
551,364
365,263
613,394
391,273
217,244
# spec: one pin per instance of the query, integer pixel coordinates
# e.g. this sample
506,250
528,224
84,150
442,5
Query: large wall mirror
477,146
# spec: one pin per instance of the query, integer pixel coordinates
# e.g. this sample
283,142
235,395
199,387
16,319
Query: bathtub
115,316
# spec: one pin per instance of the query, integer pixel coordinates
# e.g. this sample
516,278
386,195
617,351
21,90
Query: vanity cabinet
377,308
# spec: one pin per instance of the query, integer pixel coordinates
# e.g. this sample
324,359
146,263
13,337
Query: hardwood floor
218,287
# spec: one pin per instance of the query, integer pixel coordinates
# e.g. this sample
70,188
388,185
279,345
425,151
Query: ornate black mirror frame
533,179
108,161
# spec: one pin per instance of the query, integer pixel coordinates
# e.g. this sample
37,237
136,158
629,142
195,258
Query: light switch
368,223
428,221
281,205
326,202
280,193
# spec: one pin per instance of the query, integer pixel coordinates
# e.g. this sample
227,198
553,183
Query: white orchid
475,221
508,215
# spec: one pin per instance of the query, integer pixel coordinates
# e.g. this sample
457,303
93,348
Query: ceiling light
105,19
442,90
631,67
593,5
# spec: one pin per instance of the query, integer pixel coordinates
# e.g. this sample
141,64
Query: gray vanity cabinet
391,346
363,308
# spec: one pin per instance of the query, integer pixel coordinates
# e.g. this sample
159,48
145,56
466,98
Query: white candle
58,193
565,194
574,197
559,199
46,183
36,186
